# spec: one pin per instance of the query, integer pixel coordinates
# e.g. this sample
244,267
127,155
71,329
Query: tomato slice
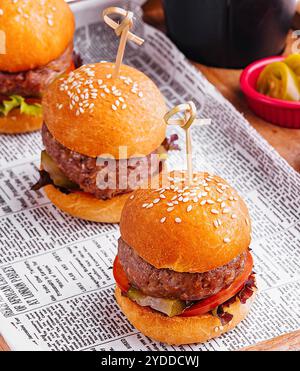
203,306
207,305
120,276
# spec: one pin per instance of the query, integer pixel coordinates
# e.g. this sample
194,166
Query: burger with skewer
104,137
184,270
36,47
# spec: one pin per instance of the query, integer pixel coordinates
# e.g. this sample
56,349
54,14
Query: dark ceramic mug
229,33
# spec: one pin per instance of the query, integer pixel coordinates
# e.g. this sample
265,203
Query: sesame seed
216,223
226,240
170,204
234,216
162,196
145,205
174,198
226,211
214,211
1,12
223,205
163,220
170,209
202,203
132,197
156,201
114,107
185,200
220,190
124,106
189,209
210,202
178,220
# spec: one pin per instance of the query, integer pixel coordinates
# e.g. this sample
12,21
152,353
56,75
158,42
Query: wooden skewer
190,112
123,31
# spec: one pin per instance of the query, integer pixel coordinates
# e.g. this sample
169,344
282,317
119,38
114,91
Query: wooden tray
289,342
285,141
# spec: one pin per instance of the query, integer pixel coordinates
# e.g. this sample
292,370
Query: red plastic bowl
279,112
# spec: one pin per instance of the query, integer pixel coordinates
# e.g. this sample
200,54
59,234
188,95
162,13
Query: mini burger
184,270
100,134
36,46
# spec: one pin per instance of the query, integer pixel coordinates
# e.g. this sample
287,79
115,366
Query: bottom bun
180,330
86,206
19,123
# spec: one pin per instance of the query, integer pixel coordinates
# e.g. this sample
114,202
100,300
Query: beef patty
84,170
32,83
165,283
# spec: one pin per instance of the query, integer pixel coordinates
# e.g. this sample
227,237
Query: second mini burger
93,125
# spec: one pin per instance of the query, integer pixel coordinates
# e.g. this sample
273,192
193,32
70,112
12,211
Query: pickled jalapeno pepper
279,81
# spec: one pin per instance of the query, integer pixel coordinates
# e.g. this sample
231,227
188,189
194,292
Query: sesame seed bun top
185,228
33,32
92,113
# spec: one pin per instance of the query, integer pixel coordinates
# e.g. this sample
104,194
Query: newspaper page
56,283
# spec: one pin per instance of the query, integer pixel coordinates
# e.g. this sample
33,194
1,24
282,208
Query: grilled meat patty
85,171
165,283
32,83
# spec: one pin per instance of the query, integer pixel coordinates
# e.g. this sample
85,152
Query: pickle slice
169,307
293,61
57,176
279,81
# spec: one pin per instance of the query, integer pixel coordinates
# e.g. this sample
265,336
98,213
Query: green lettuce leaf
15,101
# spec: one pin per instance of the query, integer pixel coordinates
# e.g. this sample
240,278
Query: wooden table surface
3,345
285,141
